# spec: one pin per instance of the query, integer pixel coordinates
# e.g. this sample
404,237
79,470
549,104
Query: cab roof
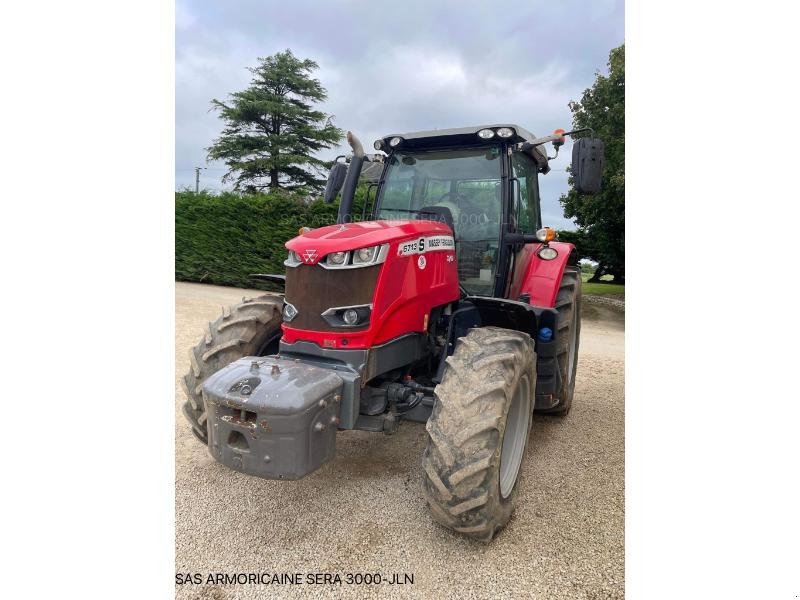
467,136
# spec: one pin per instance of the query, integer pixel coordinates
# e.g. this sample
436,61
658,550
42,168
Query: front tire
478,431
568,305
250,328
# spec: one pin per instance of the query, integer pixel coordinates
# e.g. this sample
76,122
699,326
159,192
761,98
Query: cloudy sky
399,66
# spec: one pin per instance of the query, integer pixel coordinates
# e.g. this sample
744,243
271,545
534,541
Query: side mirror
335,181
587,164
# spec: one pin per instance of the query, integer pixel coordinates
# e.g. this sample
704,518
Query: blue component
545,334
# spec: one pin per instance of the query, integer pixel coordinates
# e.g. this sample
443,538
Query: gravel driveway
363,512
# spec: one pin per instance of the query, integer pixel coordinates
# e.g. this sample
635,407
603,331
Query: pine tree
272,131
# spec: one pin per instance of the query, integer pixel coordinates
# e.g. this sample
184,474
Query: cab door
525,216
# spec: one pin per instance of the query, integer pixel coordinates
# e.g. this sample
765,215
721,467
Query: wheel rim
516,437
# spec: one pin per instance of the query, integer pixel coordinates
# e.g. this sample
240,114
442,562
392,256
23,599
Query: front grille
312,290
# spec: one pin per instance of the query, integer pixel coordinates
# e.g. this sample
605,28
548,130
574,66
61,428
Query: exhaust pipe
351,180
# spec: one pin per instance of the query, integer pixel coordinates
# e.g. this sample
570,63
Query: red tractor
452,306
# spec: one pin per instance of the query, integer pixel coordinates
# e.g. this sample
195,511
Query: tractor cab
481,180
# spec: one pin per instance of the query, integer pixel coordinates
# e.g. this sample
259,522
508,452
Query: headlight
337,258
364,255
486,134
356,259
505,132
395,141
348,316
292,260
378,145
548,253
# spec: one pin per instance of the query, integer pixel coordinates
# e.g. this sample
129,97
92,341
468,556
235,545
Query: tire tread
465,430
241,330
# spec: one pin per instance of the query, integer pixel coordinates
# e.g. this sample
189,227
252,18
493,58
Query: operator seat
442,214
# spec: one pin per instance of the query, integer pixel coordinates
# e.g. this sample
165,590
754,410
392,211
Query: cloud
402,66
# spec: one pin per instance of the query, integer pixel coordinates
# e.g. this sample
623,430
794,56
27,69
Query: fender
539,278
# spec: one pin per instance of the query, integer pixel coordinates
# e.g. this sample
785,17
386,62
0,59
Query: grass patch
602,288
613,290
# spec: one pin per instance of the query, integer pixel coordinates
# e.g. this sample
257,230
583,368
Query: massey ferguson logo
309,255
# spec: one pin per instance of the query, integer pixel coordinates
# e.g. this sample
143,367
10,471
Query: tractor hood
392,295
317,243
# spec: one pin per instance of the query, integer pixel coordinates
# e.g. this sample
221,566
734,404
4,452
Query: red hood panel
351,236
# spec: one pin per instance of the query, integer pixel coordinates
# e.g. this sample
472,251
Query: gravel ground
363,512
618,303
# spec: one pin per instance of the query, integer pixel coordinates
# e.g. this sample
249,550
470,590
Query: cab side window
526,201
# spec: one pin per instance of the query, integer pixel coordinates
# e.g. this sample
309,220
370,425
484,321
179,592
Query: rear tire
478,431
250,328
568,305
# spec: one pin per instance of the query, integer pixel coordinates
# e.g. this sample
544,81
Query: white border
712,496
88,270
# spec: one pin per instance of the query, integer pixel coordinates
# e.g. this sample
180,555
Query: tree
601,218
584,245
271,129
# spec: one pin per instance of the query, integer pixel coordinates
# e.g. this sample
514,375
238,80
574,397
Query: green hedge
222,239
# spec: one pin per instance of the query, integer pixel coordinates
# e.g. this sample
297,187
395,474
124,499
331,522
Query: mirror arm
574,131
370,187
554,137
521,238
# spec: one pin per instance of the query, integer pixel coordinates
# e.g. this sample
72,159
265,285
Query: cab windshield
465,181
